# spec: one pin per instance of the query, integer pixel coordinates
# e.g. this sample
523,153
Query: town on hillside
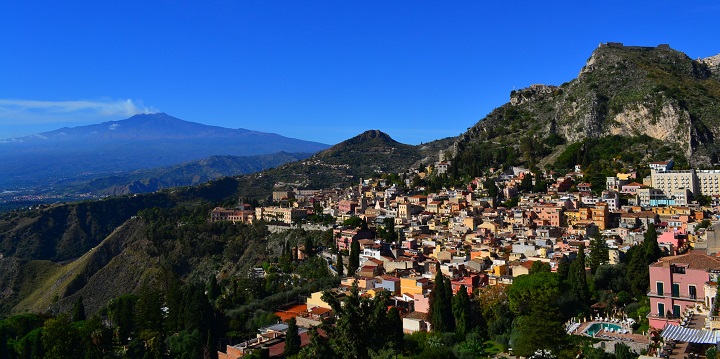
648,246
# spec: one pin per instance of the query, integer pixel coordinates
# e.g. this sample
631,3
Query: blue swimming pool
595,327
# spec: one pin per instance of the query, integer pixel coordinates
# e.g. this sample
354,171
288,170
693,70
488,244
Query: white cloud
33,111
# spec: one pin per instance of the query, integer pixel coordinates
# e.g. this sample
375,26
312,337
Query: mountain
140,142
647,103
370,153
185,174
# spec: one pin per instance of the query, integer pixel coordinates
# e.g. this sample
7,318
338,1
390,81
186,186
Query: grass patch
492,347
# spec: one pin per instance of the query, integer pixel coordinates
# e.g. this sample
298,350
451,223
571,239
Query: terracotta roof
692,260
417,315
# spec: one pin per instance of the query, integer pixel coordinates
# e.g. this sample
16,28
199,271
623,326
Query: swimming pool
595,327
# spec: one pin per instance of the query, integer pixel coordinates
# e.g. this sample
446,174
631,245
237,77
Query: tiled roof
692,259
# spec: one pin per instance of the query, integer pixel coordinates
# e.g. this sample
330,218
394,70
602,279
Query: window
676,311
661,310
675,290
677,269
693,292
660,289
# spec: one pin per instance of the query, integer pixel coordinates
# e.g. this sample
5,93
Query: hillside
185,174
370,153
623,91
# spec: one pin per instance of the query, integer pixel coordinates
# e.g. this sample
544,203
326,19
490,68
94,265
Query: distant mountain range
141,142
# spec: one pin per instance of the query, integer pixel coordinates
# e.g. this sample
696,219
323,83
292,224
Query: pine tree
292,339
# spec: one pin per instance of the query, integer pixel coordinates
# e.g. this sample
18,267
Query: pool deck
602,334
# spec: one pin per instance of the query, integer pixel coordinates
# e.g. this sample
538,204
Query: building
678,282
220,214
280,214
662,166
706,182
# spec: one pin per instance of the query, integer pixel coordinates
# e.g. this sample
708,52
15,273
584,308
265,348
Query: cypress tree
78,310
340,264
650,245
395,329
563,270
461,311
599,254
292,339
578,278
441,315
354,258
213,289
448,309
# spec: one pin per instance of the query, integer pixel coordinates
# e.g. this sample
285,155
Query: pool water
595,327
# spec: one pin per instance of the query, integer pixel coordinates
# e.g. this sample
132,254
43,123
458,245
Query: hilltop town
502,226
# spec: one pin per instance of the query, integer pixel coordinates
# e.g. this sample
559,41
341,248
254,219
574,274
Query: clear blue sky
316,70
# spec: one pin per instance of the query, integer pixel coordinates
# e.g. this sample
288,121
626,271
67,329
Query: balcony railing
675,296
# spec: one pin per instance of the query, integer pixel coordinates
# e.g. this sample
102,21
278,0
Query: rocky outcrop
668,123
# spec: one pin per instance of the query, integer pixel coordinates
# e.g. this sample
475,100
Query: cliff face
621,90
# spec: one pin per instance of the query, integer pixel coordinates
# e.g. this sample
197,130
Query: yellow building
414,285
315,300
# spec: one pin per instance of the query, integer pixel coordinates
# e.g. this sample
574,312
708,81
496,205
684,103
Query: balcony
690,298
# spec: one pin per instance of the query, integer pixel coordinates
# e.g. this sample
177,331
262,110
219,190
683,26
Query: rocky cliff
621,90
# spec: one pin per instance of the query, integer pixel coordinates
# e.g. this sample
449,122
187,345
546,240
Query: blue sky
316,70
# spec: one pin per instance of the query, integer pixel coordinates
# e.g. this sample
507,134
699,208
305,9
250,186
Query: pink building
672,240
471,283
422,303
548,215
677,282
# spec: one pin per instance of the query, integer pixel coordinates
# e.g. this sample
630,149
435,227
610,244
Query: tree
78,310
599,254
213,289
534,299
577,277
491,187
61,339
354,257
526,185
349,337
563,270
650,244
638,272
340,264
395,329
310,250
292,339
353,222
441,315
539,266
461,311
622,351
